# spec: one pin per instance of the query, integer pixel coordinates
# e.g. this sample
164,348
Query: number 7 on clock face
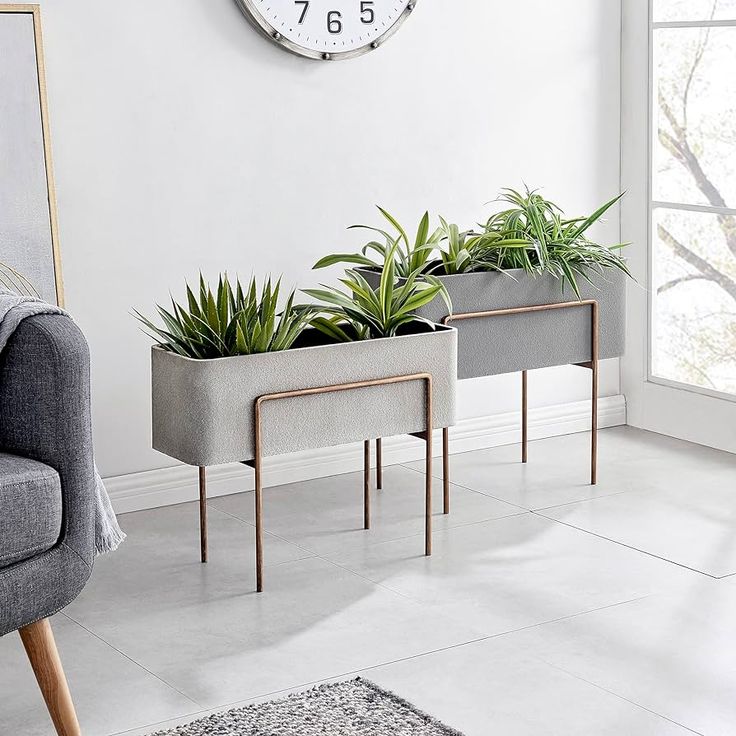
328,28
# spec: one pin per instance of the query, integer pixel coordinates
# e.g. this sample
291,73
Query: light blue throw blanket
13,310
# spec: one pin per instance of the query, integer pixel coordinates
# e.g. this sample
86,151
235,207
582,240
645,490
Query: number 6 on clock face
327,29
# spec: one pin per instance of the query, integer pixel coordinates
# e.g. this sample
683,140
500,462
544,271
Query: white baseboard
177,484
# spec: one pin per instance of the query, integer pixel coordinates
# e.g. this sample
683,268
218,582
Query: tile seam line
333,563
521,512
133,661
468,488
310,555
309,683
215,499
628,546
478,640
525,508
618,695
540,509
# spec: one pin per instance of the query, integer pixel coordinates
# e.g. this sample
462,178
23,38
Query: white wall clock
327,29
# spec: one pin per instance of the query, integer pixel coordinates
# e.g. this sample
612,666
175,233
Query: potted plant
235,378
529,254
510,284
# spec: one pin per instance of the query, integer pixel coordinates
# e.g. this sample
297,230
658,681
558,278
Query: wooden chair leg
38,640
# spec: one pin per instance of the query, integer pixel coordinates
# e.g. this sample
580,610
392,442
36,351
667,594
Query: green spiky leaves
553,243
531,234
230,321
364,312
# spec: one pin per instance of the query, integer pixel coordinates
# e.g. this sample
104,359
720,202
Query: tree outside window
694,193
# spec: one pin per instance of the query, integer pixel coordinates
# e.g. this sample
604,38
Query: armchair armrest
45,415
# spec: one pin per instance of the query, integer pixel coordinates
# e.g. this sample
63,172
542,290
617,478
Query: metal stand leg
595,350
446,469
428,472
203,513
524,416
259,534
428,499
379,463
594,436
367,484
258,498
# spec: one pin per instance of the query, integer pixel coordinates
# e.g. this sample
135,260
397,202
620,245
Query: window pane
694,114
694,299
674,10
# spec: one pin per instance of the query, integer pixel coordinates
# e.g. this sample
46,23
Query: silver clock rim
251,12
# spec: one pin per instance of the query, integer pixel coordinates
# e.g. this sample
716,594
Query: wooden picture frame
29,232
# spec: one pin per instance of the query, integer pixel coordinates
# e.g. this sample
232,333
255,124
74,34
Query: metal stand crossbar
592,365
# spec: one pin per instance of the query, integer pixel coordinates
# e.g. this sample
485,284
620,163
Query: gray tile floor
548,607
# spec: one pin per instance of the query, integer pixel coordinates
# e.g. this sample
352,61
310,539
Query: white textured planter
506,344
203,410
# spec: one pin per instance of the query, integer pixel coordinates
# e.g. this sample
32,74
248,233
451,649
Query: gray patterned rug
354,708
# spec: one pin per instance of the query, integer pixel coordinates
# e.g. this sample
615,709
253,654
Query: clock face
327,29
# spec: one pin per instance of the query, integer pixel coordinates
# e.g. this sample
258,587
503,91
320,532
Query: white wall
182,140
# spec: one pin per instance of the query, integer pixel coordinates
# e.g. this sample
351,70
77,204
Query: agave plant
409,256
16,282
233,321
553,243
367,313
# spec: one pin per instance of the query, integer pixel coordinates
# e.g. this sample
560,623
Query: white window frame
656,403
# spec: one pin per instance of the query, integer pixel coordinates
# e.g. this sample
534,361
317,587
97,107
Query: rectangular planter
505,344
203,409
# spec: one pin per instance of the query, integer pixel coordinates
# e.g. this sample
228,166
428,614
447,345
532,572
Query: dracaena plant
553,243
410,255
16,282
229,321
365,313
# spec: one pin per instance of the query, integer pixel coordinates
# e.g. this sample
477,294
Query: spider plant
468,251
410,255
16,282
554,243
366,313
232,321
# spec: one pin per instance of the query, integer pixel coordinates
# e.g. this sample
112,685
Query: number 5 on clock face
327,29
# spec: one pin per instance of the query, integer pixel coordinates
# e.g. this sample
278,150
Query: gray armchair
47,492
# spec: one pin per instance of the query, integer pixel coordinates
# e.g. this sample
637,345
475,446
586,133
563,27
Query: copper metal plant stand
592,365
256,463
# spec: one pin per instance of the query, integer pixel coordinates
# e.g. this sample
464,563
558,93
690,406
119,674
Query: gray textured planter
203,409
506,344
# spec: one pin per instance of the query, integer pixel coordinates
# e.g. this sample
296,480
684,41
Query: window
693,195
